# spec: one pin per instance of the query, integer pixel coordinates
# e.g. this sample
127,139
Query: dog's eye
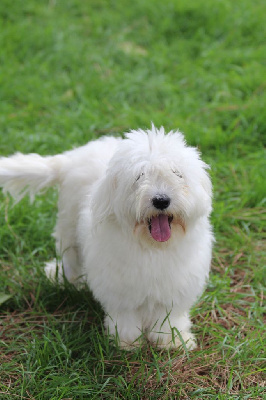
177,173
140,175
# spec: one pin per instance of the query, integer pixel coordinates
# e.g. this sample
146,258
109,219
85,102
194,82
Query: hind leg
71,265
66,268
54,271
65,235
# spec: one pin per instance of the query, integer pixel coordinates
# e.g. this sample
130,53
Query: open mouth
160,227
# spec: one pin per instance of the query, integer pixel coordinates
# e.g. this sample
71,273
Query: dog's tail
28,174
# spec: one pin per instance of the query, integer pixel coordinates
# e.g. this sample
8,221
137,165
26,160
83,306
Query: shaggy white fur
133,221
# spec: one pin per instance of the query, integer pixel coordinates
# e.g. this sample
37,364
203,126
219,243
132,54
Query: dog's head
155,187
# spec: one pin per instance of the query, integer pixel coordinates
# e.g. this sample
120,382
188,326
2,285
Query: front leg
125,325
166,328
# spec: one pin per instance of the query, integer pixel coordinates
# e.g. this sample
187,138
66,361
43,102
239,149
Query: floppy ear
200,188
207,186
205,181
204,192
102,201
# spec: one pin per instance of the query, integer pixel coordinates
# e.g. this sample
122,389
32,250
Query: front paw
174,340
130,346
125,332
128,343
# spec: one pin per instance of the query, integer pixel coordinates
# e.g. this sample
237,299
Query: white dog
133,220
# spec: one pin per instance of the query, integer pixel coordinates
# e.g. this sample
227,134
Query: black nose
161,201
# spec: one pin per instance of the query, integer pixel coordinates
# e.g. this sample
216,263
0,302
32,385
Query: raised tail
28,174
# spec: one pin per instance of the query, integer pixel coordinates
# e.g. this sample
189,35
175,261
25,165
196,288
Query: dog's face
155,187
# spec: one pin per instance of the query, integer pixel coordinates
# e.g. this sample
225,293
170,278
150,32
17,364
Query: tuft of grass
72,71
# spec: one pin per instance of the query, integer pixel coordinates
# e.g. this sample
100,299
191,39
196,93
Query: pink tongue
160,229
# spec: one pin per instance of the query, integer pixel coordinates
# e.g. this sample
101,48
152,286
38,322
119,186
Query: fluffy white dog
133,220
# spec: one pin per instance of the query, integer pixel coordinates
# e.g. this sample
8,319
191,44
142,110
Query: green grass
75,70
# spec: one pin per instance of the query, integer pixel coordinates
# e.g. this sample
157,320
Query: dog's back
74,172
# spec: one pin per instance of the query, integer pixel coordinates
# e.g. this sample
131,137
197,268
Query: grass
75,70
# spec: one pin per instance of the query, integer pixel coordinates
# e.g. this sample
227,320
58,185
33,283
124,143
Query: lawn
72,71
